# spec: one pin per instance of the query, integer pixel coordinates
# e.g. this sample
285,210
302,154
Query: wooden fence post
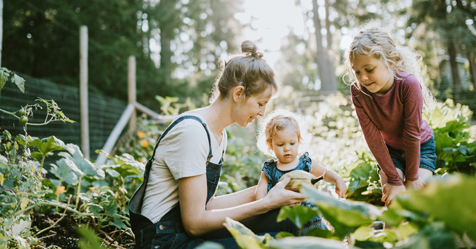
131,84
1,30
83,92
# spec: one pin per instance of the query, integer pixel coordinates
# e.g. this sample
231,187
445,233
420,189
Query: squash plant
427,219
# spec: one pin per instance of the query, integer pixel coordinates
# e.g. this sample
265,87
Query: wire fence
104,112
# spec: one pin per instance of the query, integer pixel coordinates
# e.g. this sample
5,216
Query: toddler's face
285,145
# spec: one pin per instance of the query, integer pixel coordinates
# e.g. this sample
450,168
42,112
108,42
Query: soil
65,236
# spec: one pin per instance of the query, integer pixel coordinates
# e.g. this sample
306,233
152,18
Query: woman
175,207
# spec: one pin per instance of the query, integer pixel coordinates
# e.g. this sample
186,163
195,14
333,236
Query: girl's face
285,145
251,107
372,74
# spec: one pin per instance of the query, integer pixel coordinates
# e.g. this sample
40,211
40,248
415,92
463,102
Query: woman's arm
198,221
329,176
233,199
262,188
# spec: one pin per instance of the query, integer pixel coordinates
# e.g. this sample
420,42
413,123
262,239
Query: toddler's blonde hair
278,120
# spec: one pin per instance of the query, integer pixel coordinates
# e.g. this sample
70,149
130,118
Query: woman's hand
278,196
341,188
417,184
390,191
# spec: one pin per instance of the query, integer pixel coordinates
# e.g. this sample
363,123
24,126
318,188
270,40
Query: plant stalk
77,194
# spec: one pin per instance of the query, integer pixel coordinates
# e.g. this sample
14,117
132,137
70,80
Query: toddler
283,136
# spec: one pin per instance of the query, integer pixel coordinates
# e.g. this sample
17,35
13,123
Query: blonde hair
278,120
247,69
374,41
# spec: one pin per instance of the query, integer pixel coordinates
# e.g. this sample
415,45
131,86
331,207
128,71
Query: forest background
177,44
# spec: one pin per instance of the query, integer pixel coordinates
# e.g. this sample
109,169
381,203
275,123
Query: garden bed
65,235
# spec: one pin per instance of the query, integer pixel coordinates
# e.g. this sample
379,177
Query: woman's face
248,108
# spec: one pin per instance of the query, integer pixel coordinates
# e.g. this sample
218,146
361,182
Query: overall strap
172,125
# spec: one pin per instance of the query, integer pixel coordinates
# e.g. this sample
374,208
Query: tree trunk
454,72
472,67
322,60
166,26
330,53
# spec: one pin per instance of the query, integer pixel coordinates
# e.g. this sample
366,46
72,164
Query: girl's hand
278,196
390,191
417,184
341,188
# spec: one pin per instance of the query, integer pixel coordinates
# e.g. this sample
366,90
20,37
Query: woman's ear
238,93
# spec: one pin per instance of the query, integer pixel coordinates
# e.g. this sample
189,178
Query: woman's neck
217,115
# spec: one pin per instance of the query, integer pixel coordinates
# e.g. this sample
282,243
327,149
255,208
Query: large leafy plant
455,148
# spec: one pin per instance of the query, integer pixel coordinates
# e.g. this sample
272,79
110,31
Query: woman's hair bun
249,47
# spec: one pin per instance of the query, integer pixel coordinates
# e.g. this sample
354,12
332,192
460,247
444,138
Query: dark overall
168,232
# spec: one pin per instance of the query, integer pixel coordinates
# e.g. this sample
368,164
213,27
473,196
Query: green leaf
445,199
300,215
345,216
36,155
95,209
66,170
82,163
434,235
3,77
244,237
210,245
126,165
406,229
284,235
3,162
47,145
20,82
1,179
89,239
118,222
307,243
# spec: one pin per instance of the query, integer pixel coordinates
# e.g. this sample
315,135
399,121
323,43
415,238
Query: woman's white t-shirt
182,153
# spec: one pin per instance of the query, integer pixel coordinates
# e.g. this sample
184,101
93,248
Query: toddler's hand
417,184
341,188
390,191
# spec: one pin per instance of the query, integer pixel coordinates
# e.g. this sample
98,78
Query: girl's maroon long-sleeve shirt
394,118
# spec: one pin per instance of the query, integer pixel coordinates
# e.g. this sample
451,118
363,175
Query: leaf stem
77,194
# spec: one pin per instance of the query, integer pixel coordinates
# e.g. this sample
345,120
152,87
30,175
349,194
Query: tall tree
328,82
449,20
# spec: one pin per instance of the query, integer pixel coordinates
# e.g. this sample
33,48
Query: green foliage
344,216
6,74
88,239
443,199
455,149
364,182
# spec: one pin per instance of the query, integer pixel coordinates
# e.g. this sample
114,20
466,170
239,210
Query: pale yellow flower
60,190
144,143
140,134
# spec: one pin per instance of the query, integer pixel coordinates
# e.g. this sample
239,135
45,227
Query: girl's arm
197,220
329,176
375,141
262,188
413,107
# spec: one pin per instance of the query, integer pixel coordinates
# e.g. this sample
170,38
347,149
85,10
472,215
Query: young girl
388,96
283,135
